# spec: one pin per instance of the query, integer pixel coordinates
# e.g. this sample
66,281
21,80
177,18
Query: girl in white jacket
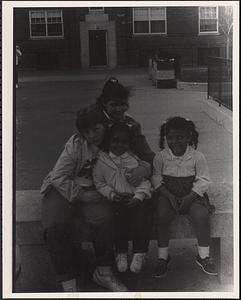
131,204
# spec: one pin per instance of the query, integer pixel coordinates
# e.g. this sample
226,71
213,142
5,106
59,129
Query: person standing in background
18,60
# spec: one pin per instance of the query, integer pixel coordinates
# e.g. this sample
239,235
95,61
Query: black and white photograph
153,215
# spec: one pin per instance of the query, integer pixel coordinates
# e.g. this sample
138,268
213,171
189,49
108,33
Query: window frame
149,23
46,24
199,21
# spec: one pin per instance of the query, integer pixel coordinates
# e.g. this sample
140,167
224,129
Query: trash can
164,73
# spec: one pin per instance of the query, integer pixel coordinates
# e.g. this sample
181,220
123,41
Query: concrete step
29,232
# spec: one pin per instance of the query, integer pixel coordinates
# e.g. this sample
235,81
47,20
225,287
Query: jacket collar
109,118
113,156
187,155
107,160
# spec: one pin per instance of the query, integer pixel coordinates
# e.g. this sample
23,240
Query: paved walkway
150,106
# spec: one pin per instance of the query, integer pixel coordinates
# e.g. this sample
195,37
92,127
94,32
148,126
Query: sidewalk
150,106
26,75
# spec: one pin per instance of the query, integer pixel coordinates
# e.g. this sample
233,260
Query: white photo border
8,118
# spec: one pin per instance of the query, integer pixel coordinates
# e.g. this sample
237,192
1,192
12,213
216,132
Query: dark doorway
97,46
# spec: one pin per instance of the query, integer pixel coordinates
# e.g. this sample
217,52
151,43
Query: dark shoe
162,267
207,265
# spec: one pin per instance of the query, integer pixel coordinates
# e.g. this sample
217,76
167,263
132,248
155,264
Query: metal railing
220,81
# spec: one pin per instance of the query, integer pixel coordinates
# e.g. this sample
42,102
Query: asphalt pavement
46,103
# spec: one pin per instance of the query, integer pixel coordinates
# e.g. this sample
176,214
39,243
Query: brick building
87,37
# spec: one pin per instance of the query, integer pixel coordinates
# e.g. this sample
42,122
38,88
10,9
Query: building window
204,53
149,20
46,23
208,19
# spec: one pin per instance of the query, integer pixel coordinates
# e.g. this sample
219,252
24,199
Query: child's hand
121,197
135,176
117,198
132,202
126,195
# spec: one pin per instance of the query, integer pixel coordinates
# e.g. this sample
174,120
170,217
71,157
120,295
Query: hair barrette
113,80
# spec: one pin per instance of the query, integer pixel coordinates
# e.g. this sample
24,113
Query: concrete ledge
28,209
220,114
28,206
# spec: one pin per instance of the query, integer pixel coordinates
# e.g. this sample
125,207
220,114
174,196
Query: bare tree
226,27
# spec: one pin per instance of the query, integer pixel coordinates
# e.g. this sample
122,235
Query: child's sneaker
207,265
162,267
121,262
137,262
69,285
109,281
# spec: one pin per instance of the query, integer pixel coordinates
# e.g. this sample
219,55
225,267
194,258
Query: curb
220,114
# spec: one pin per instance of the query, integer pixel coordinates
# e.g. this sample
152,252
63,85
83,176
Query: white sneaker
137,262
109,281
69,285
121,262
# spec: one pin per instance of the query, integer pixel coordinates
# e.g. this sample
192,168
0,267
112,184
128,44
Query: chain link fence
220,81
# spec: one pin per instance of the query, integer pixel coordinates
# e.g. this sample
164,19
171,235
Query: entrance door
97,47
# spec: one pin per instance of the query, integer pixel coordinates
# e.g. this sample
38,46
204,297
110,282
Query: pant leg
58,228
200,217
98,215
141,223
55,209
122,220
164,215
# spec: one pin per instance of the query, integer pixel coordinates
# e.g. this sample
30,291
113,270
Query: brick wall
181,41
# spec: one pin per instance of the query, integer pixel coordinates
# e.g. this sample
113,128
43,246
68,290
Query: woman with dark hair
114,102
70,195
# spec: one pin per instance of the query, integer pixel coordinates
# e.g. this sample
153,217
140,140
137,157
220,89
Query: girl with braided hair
181,179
